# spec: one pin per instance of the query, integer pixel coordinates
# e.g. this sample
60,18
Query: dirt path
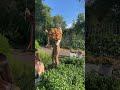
63,52
25,57
28,57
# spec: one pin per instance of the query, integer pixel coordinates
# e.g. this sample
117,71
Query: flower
55,33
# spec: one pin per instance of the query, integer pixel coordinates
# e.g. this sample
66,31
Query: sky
68,9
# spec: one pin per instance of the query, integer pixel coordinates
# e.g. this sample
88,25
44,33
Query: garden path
28,57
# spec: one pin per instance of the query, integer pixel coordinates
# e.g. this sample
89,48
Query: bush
45,58
96,82
74,61
37,46
40,35
4,46
105,46
23,74
73,41
66,76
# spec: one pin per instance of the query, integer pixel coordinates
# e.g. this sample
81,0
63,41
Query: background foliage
72,37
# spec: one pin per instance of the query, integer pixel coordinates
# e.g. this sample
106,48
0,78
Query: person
56,50
6,81
39,66
48,40
79,54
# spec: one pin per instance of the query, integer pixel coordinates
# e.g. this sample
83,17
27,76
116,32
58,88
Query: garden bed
95,81
67,76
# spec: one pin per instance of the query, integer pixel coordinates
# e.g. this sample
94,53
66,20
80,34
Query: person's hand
46,31
58,42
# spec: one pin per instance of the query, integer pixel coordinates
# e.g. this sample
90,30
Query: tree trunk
48,42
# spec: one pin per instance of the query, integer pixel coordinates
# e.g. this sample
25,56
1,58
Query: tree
12,22
43,21
59,21
80,24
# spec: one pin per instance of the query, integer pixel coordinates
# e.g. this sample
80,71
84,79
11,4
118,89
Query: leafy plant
4,46
23,74
96,82
45,58
67,76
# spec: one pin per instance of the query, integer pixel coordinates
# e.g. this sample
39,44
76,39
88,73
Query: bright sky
69,9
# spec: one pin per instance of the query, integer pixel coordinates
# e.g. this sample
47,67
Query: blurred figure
48,40
6,81
39,66
56,50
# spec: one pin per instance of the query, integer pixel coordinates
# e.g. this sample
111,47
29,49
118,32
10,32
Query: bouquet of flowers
55,34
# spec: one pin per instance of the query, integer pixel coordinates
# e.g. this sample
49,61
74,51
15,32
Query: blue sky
69,9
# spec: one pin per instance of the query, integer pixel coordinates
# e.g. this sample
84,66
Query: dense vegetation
23,74
68,75
105,46
94,81
102,27
12,21
4,46
72,37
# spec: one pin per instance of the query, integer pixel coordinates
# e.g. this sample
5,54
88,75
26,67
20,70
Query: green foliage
74,38
106,46
45,58
43,21
67,76
23,74
37,46
96,82
59,21
12,21
79,26
74,61
4,46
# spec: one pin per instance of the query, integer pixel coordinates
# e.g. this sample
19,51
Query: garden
70,73
93,64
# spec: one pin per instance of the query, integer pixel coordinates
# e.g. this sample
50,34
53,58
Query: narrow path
28,57
25,57
63,52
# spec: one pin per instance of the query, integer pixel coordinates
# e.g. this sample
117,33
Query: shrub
4,46
66,76
96,82
73,41
75,61
105,46
45,58
37,46
23,74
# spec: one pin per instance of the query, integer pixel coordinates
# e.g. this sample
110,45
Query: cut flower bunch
55,34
